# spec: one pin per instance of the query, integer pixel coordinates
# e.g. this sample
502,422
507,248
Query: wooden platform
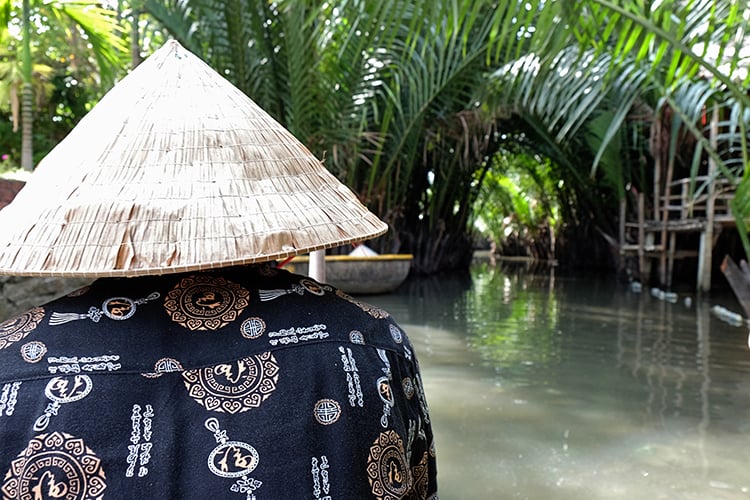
700,206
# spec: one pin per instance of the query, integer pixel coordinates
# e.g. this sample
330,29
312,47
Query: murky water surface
544,387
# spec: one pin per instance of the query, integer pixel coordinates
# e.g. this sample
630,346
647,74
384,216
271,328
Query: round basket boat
360,274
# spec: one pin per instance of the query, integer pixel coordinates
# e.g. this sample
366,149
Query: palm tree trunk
135,42
27,98
27,146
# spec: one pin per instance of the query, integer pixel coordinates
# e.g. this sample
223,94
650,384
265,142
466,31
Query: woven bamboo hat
174,170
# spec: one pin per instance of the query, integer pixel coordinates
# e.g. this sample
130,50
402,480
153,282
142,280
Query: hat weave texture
175,170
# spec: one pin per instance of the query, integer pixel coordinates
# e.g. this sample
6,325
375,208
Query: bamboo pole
642,237
664,201
705,254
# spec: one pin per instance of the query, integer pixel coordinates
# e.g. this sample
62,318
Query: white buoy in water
728,316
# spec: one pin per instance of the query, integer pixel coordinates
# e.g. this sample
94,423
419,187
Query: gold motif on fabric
421,477
387,469
55,465
373,311
408,387
234,387
18,327
202,302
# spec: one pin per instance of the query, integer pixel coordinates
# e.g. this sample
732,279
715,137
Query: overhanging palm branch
426,175
685,56
699,51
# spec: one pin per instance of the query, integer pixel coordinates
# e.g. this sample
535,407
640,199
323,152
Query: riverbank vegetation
520,124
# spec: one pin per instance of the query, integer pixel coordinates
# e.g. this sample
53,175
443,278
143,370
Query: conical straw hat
175,170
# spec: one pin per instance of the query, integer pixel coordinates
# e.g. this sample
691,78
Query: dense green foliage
635,83
518,204
59,57
387,92
532,119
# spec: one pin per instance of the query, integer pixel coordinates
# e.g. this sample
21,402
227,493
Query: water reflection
551,387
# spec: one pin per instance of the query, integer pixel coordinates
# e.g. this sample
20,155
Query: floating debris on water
728,316
664,295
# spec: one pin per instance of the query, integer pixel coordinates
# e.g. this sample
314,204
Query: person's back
246,382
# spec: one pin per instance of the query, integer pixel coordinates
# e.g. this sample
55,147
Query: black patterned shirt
246,383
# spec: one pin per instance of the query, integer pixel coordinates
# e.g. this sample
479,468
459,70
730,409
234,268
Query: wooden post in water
642,269
664,202
706,250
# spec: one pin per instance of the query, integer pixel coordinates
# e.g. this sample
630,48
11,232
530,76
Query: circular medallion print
202,302
408,387
389,475
312,286
356,337
119,308
15,329
167,365
236,386
55,465
373,311
327,411
252,328
396,334
33,352
384,389
68,389
233,459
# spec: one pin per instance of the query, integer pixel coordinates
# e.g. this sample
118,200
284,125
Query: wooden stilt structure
678,212
698,205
